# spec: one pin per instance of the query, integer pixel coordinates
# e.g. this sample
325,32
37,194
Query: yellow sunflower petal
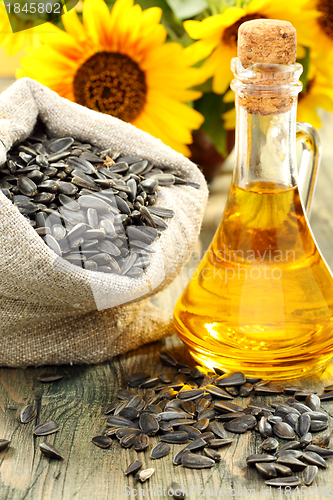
229,96
151,16
307,113
96,17
149,124
212,26
218,66
200,50
73,25
64,43
229,118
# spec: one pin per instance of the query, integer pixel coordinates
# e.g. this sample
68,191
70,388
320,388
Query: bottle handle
310,161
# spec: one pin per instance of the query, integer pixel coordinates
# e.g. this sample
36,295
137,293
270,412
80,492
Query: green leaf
212,107
185,9
147,4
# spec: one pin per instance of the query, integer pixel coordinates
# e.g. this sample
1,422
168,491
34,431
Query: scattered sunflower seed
46,428
160,450
4,443
49,377
27,414
192,461
143,475
50,451
133,467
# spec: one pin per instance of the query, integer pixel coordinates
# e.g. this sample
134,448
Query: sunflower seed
314,459
300,407
318,425
309,474
148,424
218,443
50,451
294,445
61,144
197,444
283,430
137,378
133,467
128,440
176,491
49,377
27,414
270,444
178,437
192,461
126,431
291,419
218,429
26,186
265,428
145,474
323,452
141,442
236,427
305,439
233,379
283,481
266,470
4,443
162,212
119,421
317,415
293,463
259,458
129,413
46,428
218,392
160,450
283,470
313,402
290,453
303,423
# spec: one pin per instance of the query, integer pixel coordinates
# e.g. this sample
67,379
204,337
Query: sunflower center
326,20
230,34
111,83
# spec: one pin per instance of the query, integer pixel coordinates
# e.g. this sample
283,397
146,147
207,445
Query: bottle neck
265,147
266,103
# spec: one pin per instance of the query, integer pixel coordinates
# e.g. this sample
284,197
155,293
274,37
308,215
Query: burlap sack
52,312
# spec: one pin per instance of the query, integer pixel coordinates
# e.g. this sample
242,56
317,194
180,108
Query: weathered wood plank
77,403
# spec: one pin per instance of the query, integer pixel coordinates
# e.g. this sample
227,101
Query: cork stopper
268,41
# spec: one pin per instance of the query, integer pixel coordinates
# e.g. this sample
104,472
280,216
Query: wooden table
77,402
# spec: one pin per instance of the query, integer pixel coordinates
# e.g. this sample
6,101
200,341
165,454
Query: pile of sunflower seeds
192,407
94,208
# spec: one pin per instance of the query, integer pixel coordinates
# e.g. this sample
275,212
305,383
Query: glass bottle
261,300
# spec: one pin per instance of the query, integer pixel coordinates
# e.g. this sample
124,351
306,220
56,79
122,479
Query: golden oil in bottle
261,300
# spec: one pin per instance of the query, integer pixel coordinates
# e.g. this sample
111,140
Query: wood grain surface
77,402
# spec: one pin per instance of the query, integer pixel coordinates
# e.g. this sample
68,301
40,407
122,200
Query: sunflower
117,63
15,42
217,35
321,25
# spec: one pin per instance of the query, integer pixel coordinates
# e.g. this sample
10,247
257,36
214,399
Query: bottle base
279,370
